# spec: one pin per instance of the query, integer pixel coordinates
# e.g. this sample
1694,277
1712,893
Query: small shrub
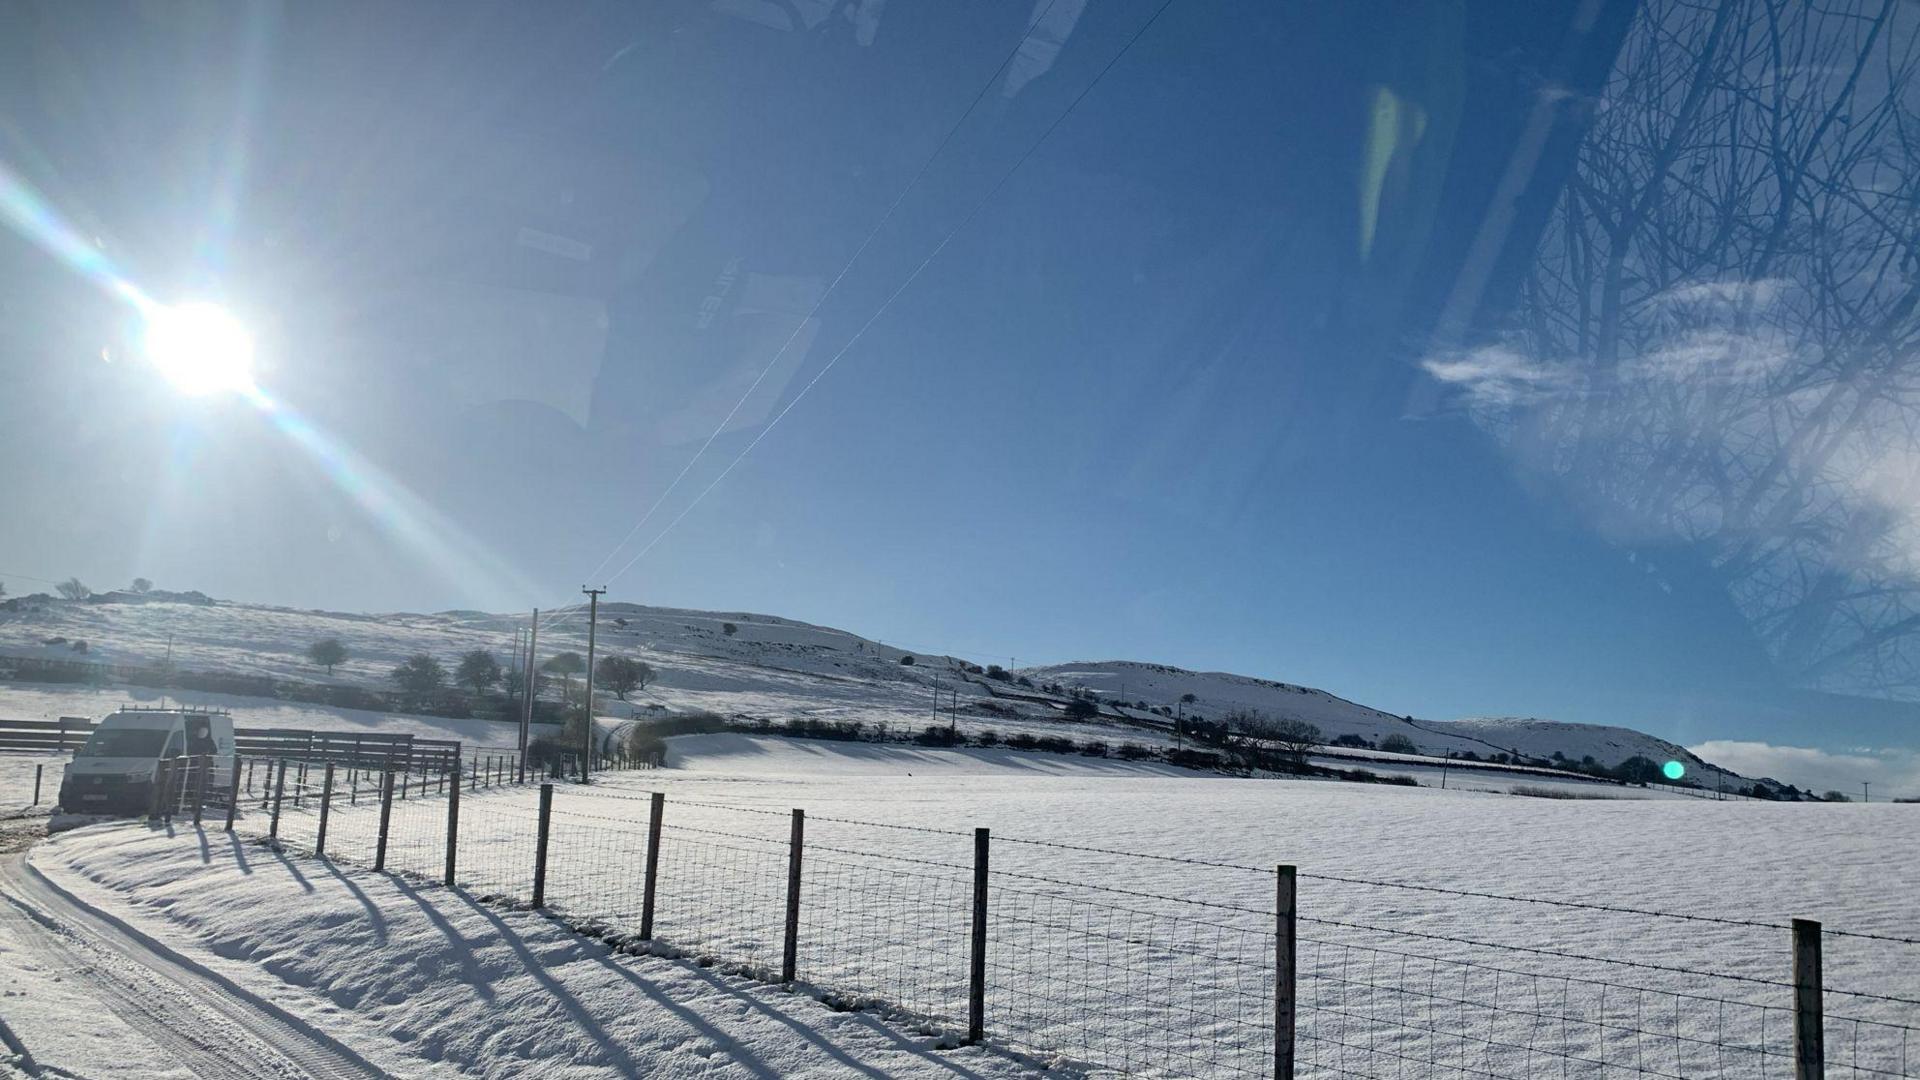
906,661
79,646
1081,709
1553,793
1195,759
1093,748
988,737
57,639
937,735
1133,751
1397,743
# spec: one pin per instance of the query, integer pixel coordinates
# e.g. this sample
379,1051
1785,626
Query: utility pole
1864,785
586,734
526,707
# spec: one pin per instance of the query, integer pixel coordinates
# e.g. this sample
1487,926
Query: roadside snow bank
446,979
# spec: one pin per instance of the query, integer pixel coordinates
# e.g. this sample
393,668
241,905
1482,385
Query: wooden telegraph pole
586,732
526,707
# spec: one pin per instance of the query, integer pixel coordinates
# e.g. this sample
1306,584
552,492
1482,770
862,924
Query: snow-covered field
1160,960
47,701
418,982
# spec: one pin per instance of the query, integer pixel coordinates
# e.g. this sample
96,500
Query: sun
200,348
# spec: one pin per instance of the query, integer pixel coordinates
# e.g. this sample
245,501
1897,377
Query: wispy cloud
1760,291
1893,773
1497,376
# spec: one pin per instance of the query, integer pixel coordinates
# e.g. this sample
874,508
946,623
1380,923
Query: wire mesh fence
1084,957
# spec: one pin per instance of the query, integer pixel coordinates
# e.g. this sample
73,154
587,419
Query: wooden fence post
386,815
233,791
1284,973
453,819
1809,1036
279,793
790,952
326,807
540,848
977,965
36,784
201,769
155,796
653,866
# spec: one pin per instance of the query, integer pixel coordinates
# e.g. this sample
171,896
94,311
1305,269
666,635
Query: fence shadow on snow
1104,960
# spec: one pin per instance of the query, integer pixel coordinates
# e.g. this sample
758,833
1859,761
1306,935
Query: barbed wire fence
1071,955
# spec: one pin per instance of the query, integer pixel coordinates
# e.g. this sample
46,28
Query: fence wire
1087,967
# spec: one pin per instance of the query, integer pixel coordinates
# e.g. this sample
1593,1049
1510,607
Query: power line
911,278
834,284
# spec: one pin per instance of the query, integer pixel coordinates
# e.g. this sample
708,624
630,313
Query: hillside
766,666
1216,693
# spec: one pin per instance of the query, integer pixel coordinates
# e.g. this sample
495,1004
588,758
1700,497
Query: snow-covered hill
1216,693
762,666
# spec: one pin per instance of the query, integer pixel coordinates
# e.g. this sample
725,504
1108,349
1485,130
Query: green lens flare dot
1674,770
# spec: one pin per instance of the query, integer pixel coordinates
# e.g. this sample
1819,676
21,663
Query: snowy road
192,1017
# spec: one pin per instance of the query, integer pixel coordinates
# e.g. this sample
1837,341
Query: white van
114,771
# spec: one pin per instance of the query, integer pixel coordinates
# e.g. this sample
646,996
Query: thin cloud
1892,773
1496,376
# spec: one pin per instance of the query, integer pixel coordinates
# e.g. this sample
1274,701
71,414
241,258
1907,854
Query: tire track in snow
196,1017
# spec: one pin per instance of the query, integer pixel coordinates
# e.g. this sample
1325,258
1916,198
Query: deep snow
456,987
887,906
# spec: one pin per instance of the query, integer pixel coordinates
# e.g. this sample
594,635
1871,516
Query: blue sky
1161,397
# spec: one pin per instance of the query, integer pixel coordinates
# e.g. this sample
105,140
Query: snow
16,779
1217,693
886,899
46,701
769,667
452,986
58,1026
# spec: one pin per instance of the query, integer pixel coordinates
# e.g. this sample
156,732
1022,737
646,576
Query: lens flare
1674,770
200,348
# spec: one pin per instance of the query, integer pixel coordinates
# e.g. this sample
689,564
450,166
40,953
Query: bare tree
327,652
1293,737
566,665
73,589
141,586
1717,340
420,678
478,669
623,675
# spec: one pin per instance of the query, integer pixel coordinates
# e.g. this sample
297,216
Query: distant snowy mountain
1216,693
742,663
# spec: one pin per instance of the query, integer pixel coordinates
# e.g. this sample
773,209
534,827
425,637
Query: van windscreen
125,742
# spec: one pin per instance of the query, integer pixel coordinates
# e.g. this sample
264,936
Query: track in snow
197,1018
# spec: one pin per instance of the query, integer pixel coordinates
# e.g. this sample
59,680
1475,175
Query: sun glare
200,348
